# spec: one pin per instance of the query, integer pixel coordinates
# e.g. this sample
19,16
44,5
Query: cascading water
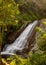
21,41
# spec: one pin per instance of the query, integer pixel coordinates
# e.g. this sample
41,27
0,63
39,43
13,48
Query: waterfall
21,41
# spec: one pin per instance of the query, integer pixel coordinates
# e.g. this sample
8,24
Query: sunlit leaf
44,23
9,5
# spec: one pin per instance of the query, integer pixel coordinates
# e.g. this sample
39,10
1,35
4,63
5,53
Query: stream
20,42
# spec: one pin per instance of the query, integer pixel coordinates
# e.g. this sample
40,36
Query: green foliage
33,59
42,42
8,12
39,29
17,60
37,59
42,37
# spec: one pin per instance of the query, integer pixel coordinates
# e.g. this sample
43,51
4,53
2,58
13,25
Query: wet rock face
13,35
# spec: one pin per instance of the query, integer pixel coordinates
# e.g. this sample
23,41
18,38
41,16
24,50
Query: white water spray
21,41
